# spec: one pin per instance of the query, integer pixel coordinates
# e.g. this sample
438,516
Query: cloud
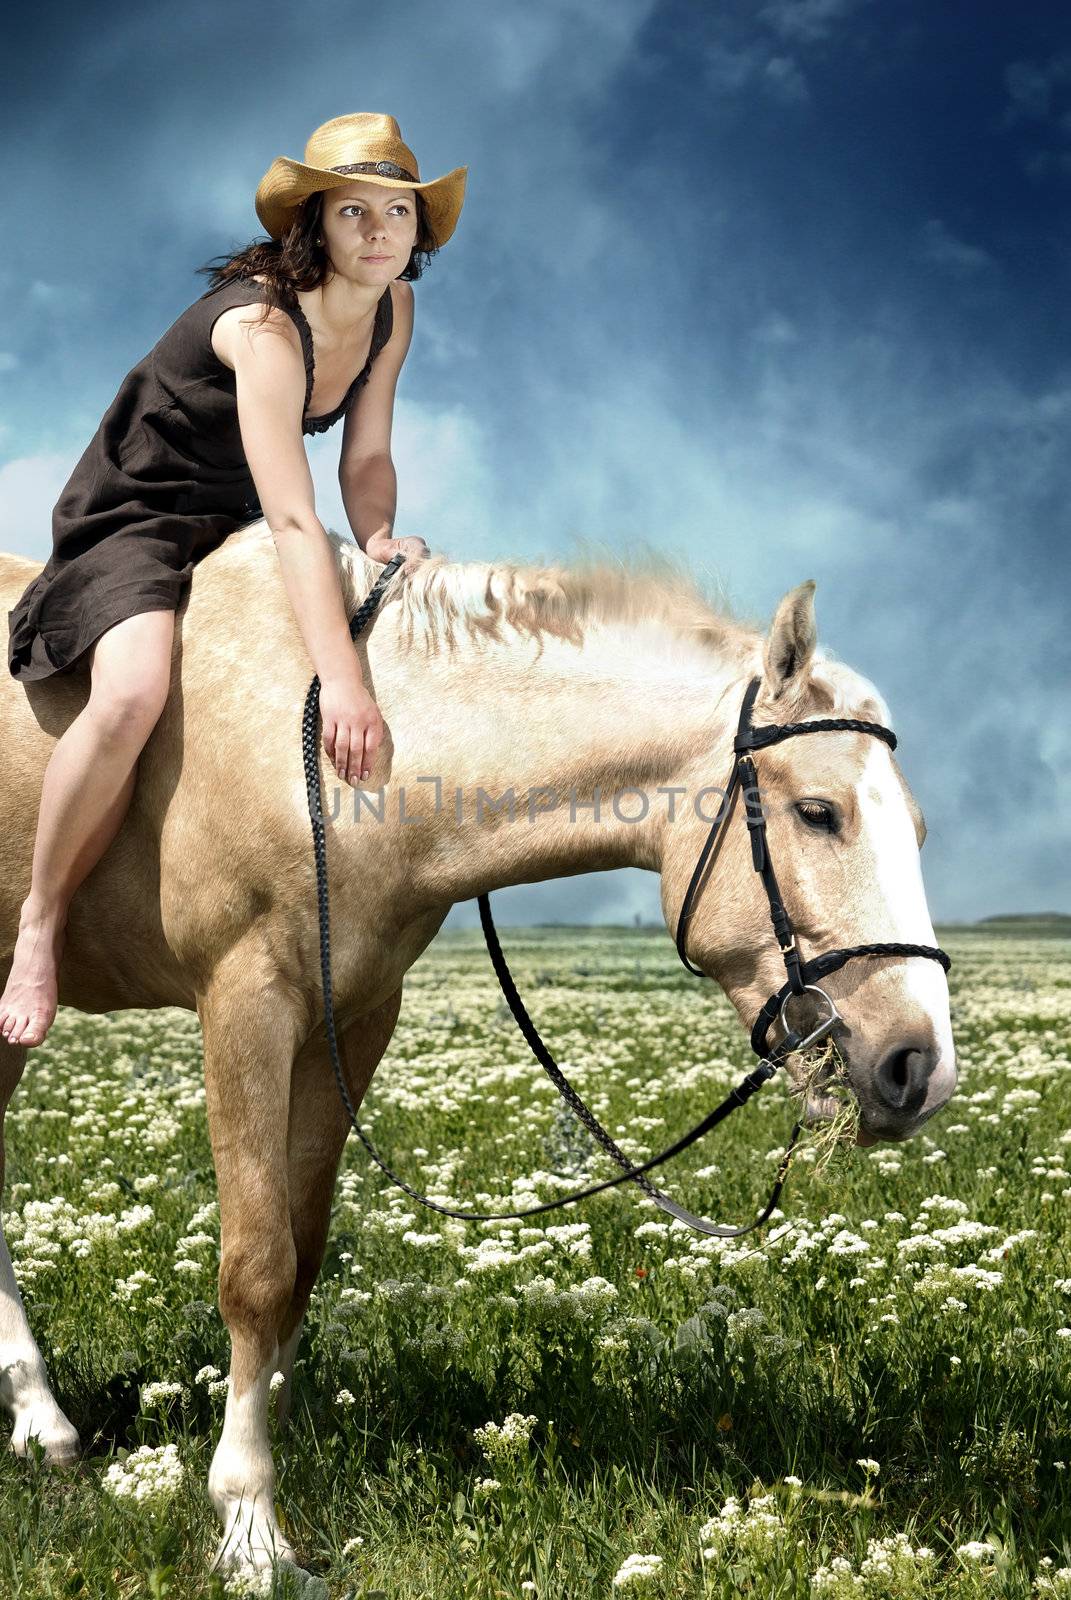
732,69
807,21
448,492
784,79
775,328
29,488
1033,87
735,69
1039,94
941,247
577,43
735,60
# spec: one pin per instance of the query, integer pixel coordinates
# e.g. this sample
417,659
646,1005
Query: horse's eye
817,814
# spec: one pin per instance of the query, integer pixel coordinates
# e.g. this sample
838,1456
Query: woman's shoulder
402,300
244,307
399,314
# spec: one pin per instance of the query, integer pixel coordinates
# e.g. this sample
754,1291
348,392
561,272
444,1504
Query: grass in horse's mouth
831,1112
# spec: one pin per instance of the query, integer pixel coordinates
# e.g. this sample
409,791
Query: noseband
748,738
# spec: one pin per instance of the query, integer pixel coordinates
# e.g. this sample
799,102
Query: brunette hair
296,261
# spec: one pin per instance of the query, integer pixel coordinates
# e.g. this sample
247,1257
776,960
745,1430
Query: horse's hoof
57,1437
252,1551
250,1578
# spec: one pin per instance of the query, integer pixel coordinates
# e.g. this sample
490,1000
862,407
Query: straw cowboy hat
364,144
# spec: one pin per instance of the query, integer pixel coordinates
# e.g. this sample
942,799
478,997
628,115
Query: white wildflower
157,1394
837,1581
1055,1582
127,1289
755,1532
636,1570
503,1444
976,1550
148,1475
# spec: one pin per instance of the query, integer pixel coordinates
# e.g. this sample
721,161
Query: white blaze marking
889,833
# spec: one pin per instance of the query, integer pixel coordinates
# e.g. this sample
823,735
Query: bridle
800,973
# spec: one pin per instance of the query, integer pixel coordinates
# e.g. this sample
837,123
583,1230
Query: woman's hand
380,548
352,726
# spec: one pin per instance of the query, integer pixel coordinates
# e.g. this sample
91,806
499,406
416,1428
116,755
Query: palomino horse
552,684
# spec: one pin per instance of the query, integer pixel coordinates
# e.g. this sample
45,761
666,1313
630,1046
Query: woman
209,424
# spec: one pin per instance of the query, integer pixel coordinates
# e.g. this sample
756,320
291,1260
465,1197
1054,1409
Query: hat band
386,169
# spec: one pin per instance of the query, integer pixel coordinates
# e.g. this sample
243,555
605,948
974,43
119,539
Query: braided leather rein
800,973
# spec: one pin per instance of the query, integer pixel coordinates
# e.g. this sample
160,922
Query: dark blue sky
783,285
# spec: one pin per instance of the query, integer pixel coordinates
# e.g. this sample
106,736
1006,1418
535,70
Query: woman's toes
35,1030
27,1030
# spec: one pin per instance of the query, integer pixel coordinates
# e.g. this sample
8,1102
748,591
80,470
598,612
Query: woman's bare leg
87,788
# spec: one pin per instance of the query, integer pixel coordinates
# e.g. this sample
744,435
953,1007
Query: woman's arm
366,472
269,373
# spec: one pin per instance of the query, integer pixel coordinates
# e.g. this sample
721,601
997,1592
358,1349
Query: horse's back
215,842
215,810
15,573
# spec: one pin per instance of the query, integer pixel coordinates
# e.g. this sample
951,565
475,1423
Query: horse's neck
632,709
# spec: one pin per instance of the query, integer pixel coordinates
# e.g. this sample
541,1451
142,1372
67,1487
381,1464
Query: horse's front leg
251,1029
319,1124
24,1387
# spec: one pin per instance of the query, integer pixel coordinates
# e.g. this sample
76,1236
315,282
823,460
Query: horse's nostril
902,1078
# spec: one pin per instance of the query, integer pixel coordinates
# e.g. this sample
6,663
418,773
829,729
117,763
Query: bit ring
823,1027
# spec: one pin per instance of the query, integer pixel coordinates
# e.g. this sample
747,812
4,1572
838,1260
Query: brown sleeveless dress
162,482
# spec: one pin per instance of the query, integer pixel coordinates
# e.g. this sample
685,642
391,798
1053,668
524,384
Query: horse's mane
639,588
442,601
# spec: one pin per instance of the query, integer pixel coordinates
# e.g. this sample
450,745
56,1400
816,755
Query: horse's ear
791,640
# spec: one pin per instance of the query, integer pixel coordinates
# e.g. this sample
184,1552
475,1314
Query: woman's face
369,231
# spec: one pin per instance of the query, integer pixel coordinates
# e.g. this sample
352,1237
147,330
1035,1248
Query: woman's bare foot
29,1001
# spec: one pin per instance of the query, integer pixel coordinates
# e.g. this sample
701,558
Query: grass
898,1340
826,1074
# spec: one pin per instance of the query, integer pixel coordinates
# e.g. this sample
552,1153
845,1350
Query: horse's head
844,834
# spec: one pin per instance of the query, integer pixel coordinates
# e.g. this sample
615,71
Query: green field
701,1403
